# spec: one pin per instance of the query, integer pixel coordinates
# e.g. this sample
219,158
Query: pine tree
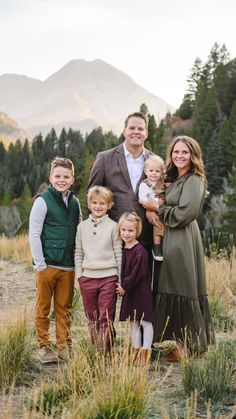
95,141
61,145
152,131
40,166
230,200
38,149
50,143
24,204
160,144
205,116
83,180
194,79
110,140
215,168
75,152
2,152
228,144
6,198
14,176
185,110
144,109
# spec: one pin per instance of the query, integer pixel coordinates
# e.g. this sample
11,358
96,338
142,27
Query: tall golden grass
15,249
221,279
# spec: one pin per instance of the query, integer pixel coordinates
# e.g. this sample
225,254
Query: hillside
10,131
81,95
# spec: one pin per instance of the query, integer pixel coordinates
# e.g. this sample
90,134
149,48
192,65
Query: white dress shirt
135,166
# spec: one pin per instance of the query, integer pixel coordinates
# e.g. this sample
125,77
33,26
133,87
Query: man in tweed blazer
121,170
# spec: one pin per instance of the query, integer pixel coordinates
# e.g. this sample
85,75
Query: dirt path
17,293
17,286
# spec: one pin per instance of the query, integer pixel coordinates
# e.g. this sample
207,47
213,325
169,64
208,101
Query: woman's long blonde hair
196,163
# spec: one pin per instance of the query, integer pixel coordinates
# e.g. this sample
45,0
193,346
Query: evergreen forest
207,113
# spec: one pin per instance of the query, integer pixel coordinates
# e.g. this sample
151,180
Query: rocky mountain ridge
81,95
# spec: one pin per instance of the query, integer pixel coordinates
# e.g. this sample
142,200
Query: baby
153,187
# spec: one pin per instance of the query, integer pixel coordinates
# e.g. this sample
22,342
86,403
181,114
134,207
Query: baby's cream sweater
98,250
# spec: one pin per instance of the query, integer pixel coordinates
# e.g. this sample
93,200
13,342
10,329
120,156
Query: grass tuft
212,377
16,353
223,320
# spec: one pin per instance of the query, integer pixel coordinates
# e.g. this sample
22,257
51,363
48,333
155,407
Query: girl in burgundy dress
135,288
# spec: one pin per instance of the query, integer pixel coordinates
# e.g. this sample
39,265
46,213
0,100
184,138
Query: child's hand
77,284
119,290
149,204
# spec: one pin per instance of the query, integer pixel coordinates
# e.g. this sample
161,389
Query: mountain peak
79,94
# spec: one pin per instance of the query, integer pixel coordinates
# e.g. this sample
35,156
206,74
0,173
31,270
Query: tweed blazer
110,170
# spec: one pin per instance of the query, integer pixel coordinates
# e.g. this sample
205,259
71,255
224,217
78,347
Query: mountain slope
81,94
10,131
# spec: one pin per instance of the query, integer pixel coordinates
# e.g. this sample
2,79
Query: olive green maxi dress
181,308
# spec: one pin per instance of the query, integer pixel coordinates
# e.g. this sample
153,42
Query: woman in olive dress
181,309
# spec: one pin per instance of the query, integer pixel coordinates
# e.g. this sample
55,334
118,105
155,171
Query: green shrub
213,377
222,319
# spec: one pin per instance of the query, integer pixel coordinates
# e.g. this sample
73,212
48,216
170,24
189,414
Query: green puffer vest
59,229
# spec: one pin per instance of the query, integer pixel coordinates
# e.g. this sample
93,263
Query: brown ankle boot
175,355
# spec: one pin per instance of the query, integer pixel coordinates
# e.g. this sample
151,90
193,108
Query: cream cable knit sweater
98,249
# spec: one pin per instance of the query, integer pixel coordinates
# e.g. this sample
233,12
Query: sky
155,42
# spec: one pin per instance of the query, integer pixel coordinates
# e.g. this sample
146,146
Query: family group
141,243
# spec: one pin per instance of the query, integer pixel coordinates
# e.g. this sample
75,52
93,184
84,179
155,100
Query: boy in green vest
53,221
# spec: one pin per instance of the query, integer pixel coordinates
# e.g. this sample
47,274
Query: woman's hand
149,204
119,290
153,218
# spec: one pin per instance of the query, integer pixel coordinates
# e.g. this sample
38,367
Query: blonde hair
104,193
62,162
155,159
196,162
133,218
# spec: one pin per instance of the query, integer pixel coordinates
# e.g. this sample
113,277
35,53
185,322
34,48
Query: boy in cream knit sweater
98,255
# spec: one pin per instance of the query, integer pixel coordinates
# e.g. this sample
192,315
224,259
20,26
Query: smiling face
153,171
181,157
128,233
98,206
135,133
61,179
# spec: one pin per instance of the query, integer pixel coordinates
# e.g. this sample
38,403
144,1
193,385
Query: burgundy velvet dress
136,281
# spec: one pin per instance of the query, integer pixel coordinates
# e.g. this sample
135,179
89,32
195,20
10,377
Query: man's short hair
137,115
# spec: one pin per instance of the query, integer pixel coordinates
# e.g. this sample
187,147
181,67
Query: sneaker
64,354
157,253
47,355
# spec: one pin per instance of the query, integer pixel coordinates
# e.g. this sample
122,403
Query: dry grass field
89,386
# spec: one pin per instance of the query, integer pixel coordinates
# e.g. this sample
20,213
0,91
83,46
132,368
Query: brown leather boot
175,355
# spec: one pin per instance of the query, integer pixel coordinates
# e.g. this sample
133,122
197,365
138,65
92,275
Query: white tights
136,336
